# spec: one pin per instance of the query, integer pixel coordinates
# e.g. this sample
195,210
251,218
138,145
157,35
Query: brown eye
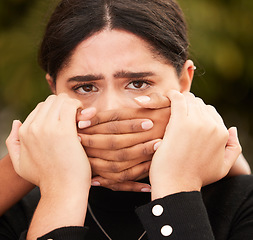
138,85
86,88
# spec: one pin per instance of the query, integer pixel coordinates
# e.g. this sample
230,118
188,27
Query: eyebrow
125,74
86,78
121,74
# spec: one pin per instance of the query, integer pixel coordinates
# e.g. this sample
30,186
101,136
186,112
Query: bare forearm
12,186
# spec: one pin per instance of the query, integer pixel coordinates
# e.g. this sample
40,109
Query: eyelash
92,84
143,81
82,85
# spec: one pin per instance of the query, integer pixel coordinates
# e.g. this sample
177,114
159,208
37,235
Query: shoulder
239,187
229,204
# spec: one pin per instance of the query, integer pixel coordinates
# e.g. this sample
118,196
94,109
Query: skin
64,168
113,88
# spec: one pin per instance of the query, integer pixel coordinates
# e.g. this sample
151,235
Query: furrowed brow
124,74
85,78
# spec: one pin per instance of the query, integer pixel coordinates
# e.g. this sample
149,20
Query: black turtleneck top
221,211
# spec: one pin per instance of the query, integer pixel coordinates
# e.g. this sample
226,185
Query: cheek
166,87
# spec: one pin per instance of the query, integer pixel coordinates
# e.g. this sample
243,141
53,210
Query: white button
166,230
157,210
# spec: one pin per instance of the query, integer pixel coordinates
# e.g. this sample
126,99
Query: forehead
113,48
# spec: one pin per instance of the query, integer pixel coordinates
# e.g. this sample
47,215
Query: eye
139,84
85,88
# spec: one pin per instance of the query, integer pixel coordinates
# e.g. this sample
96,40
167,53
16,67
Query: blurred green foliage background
221,37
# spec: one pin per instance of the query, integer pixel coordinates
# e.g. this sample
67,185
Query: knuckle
7,141
239,148
225,134
146,167
115,187
114,116
124,176
40,104
122,155
145,150
52,96
200,100
114,167
21,131
112,127
190,94
211,107
112,143
90,142
133,127
33,129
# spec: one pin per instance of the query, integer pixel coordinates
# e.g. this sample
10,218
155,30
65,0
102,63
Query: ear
51,83
186,76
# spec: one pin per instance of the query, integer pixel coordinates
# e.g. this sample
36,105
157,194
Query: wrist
165,188
57,209
57,190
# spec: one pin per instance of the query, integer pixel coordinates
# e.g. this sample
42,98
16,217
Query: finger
195,105
13,144
120,114
153,101
83,117
179,106
69,109
63,108
129,174
118,127
125,154
116,141
128,186
99,165
233,148
42,110
215,115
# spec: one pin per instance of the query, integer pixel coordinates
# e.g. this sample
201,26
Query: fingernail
147,125
143,99
156,146
80,139
84,124
95,183
145,189
88,110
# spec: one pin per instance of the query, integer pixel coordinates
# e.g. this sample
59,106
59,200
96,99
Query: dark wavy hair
159,22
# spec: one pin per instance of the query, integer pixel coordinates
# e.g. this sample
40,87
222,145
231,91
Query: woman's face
111,68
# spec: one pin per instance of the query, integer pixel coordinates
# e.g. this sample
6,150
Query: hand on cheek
197,149
45,150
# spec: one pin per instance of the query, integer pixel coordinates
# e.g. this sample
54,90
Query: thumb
233,147
13,143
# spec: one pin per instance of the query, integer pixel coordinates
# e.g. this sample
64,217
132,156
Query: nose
112,101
